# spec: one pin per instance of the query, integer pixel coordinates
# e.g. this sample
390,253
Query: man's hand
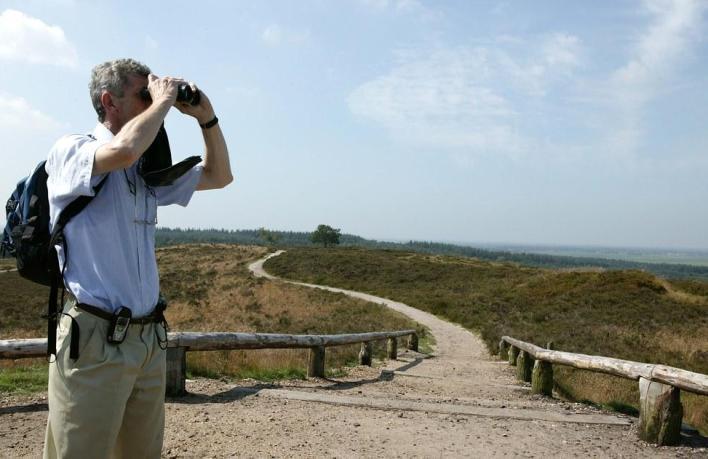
203,112
163,88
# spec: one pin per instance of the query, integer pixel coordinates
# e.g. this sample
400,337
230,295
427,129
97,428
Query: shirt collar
101,132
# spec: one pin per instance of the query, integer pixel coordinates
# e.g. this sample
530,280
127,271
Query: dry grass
675,291
7,264
209,288
620,394
22,304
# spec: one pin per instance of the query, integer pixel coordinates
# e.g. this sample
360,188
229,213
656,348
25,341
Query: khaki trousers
110,401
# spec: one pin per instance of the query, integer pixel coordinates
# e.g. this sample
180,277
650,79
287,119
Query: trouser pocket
80,332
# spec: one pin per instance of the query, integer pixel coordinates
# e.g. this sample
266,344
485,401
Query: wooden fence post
316,362
367,349
503,350
413,342
392,348
524,366
660,413
513,354
542,376
176,371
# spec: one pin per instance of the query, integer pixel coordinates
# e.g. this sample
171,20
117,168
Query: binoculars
185,93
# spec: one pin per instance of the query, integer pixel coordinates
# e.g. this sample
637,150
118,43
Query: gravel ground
410,407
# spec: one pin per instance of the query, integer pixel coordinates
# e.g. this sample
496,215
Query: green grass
23,380
426,341
631,315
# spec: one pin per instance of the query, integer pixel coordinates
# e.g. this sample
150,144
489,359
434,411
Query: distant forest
168,236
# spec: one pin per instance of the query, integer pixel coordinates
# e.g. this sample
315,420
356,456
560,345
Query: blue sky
545,122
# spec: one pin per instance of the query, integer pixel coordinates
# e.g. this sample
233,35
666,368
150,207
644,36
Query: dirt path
459,402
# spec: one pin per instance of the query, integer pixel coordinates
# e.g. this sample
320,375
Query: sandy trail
459,402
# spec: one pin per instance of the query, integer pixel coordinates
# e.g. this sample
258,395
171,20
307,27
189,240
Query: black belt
98,312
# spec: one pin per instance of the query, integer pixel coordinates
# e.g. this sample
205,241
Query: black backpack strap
57,275
74,208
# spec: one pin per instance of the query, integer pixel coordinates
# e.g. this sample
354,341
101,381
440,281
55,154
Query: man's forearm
217,168
139,133
131,141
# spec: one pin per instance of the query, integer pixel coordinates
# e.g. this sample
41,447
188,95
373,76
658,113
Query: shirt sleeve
70,165
181,191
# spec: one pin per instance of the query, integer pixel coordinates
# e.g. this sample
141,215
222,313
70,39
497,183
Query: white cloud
24,38
16,114
656,58
561,49
532,66
676,25
436,100
275,35
464,98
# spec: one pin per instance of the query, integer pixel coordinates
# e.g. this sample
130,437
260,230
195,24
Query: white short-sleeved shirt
111,243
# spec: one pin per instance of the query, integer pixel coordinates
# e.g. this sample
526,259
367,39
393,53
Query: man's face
132,103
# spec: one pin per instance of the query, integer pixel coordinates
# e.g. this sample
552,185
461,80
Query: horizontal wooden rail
23,348
212,341
196,341
178,343
676,377
660,409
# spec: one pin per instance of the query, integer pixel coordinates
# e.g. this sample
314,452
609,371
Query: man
109,401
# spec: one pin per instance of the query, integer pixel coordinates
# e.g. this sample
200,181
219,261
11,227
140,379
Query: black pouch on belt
155,166
118,327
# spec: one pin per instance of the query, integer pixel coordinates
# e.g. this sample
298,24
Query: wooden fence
179,343
660,409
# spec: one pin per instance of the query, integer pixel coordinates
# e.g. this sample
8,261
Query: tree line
262,236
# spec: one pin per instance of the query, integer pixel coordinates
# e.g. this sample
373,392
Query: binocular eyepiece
185,93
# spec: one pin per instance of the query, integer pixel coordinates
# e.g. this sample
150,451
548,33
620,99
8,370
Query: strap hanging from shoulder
57,275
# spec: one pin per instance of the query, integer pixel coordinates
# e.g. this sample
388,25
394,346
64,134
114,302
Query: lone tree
325,235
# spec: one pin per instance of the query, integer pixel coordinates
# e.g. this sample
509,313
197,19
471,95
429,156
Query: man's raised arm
134,137
217,168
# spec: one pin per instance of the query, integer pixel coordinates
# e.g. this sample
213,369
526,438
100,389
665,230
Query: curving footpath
494,414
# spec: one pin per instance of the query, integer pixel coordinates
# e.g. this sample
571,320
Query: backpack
13,219
27,237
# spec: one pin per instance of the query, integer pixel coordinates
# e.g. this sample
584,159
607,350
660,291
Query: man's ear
107,102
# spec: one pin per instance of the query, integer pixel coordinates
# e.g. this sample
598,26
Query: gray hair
113,76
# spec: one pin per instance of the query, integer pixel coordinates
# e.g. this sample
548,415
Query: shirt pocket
150,206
